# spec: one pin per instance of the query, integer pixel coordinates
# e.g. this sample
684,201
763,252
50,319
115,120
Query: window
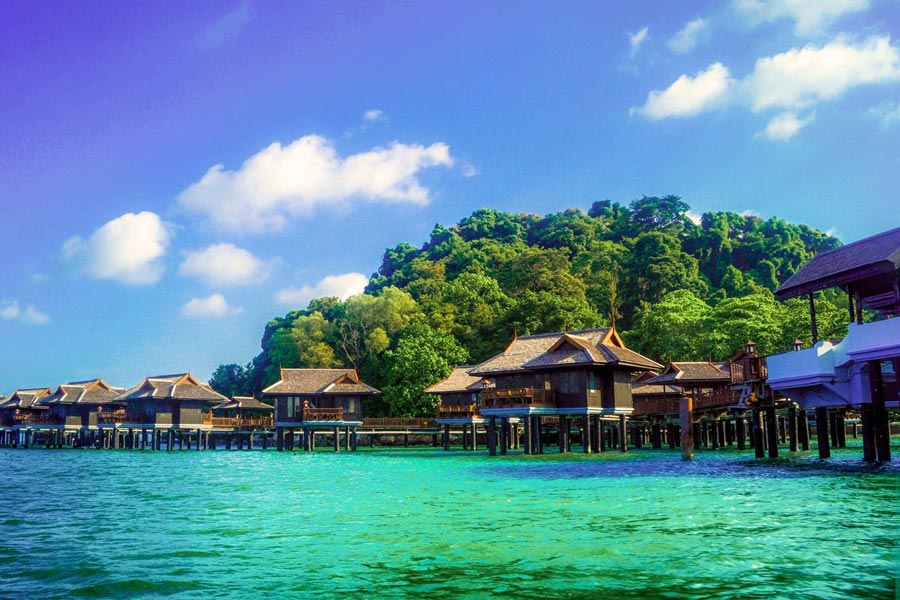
592,382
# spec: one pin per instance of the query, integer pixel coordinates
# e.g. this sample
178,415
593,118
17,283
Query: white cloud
469,170
127,249
224,264
342,286
636,39
688,36
226,28
802,77
784,126
10,311
212,307
688,96
887,112
280,182
811,17
792,81
697,219
374,115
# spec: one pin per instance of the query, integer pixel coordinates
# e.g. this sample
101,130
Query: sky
173,175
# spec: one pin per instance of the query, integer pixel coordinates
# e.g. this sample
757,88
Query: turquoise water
425,523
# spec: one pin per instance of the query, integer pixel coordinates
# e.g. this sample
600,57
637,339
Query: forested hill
676,289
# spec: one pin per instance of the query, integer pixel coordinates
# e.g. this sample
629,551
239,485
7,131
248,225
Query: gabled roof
95,391
183,386
685,374
240,403
25,398
319,381
601,346
868,258
459,381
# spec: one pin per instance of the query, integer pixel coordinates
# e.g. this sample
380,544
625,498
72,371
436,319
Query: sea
425,523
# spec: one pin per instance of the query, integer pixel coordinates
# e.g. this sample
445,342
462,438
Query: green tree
673,329
422,357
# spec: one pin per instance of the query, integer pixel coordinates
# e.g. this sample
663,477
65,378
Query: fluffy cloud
224,264
792,81
811,17
342,286
10,311
888,113
284,181
128,249
687,37
636,39
374,115
212,307
784,126
802,77
688,96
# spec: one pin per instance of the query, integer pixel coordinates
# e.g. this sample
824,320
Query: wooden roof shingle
25,398
319,381
688,373
183,386
94,391
863,259
459,381
244,403
601,346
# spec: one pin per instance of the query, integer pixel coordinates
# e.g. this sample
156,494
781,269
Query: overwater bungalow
311,401
861,370
172,404
459,404
656,404
240,418
77,408
585,374
21,415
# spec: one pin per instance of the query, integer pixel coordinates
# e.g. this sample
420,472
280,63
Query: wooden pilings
687,428
822,432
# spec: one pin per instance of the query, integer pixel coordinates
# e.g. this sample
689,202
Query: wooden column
347,443
492,436
474,436
504,434
602,435
833,428
772,421
687,428
538,441
623,437
868,432
336,431
561,434
527,437
822,432
445,437
880,423
803,430
671,435
792,427
586,434
354,439
465,436
714,433
758,448
655,435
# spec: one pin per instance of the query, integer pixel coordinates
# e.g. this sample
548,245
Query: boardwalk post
446,437
538,442
803,430
687,428
504,434
527,436
880,423
758,447
740,426
792,427
868,432
772,430
465,437
822,432
336,431
561,434
601,435
655,435
347,443
586,434
492,436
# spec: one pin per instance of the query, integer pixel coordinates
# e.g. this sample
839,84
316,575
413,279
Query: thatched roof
601,346
642,386
93,392
180,387
874,259
240,403
686,374
25,398
319,381
459,381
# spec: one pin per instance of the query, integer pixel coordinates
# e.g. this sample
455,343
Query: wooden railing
398,422
456,411
207,419
705,400
656,406
242,422
718,398
495,398
36,420
323,414
117,416
749,369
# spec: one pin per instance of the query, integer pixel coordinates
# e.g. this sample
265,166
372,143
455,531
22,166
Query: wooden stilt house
459,404
21,415
243,412
308,400
556,376
77,408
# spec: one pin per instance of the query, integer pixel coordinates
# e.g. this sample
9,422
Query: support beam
868,432
492,436
803,430
687,428
623,434
772,430
792,427
504,434
586,434
758,448
822,432
880,422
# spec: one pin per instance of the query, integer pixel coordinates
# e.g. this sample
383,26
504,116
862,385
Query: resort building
554,377
459,404
172,404
311,401
861,370
77,408
21,415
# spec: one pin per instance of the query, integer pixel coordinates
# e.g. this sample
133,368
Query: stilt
528,437
782,430
833,428
841,431
868,433
586,434
492,436
465,436
446,437
199,440
347,443
822,432
353,438
758,447
474,436
561,434
337,439
601,435
406,439
504,434
687,428
803,430
772,424
792,427
880,423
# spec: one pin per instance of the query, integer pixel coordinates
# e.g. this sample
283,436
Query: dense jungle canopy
676,289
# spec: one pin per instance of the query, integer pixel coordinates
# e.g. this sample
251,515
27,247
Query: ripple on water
115,524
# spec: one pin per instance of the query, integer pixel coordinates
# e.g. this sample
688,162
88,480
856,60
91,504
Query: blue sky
173,175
